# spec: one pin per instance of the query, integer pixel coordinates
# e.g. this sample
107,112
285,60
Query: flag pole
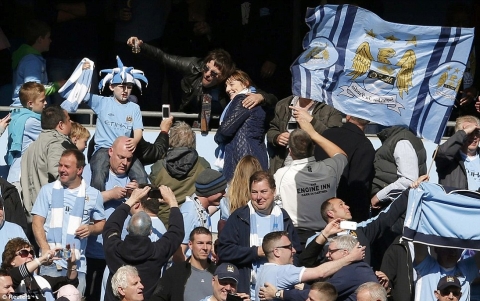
433,160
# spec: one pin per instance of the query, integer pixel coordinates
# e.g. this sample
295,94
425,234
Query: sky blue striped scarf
70,216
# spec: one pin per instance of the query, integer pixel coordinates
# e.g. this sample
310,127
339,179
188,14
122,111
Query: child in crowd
28,63
24,127
79,136
117,116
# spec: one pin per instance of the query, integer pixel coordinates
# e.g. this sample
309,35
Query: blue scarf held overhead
77,87
437,218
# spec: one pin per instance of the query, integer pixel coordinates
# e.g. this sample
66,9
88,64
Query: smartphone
292,126
165,111
154,192
346,225
231,297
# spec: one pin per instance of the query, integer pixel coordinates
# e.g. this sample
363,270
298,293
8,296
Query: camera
154,192
165,111
64,253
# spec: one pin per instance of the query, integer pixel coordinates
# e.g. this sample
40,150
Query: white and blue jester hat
122,75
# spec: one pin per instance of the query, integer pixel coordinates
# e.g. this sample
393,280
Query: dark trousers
95,269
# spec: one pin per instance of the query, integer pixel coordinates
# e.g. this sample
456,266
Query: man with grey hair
457,160
279,271
151,255
180,167
371,291
346,278
127,285
306,183
140,224
350,277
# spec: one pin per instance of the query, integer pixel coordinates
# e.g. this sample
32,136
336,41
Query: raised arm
421,252
330,148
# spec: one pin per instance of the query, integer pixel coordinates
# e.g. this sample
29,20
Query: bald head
120,142
140,224
120,156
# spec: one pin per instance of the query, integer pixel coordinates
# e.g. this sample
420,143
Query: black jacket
148,257
367,232
149,153
450,164
15,213
234,244
172,284
146,152
397,265
33,289
192,70
356,181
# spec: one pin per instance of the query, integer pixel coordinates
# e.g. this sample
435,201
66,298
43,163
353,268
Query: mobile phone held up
346,225
154,192
231,297
165,111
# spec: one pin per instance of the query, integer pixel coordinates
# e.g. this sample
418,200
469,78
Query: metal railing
158,114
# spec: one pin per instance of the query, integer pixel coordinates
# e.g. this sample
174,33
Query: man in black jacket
356,181
203,76
367,232
189,280
151,255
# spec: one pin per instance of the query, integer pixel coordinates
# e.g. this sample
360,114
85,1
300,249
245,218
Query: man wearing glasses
431,271
241,239
280,272
448,289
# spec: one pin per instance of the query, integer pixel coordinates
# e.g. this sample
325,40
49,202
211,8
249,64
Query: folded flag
437,218
388,73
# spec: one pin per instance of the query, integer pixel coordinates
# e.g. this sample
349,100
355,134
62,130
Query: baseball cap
227,271
448,281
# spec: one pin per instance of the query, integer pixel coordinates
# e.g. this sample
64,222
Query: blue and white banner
437,218
388,73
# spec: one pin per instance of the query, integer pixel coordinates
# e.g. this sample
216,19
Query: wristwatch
278,294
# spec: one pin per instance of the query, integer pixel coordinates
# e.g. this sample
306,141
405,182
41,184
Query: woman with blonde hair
238,193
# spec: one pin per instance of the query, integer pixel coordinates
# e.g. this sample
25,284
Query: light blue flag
437,218
388,73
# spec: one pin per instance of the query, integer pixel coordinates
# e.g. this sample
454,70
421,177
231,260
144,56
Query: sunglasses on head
447,291
24,253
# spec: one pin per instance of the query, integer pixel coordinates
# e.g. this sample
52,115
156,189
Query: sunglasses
212,73
447,291
24,253
288,247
